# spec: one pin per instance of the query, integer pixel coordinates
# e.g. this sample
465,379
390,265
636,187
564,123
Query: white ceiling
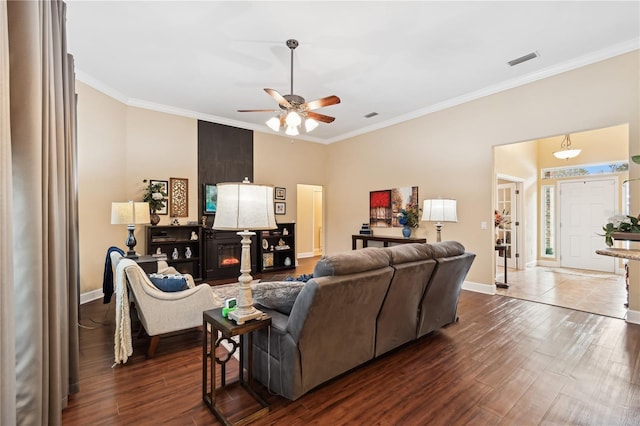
207,59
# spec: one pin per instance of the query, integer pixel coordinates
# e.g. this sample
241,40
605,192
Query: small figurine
203,219
194,236
187,253
175,221
285,231
158,250
175,254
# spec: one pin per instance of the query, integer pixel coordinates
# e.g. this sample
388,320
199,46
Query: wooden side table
228,329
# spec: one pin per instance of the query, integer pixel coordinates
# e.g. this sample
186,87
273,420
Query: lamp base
131,243
246,311
438,232
242,317
132,255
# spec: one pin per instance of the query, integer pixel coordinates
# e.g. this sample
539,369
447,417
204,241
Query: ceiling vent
371,114
522,59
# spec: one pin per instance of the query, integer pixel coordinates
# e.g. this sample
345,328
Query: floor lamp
439,210
243,206
130,213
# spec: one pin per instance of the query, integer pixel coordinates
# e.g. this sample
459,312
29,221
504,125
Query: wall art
165,189
280,207
385,205
280,193
179,197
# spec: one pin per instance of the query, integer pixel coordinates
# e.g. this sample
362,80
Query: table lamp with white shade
244,207
130,213
439,210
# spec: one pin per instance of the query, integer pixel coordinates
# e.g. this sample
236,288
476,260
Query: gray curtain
7,347
39,217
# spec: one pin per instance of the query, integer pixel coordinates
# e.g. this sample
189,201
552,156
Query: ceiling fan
294,109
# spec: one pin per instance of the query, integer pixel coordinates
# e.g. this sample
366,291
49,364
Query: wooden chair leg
153,344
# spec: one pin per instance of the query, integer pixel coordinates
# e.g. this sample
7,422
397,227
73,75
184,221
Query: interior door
584,207
507,233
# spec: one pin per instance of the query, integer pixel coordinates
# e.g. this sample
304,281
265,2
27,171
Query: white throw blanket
123,347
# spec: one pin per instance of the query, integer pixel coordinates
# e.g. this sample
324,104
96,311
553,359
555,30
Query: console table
385,240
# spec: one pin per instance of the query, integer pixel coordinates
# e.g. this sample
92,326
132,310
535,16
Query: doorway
309,218
554,199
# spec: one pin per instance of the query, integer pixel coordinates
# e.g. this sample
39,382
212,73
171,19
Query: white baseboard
548,263
479,287
633,317
91,296
305,255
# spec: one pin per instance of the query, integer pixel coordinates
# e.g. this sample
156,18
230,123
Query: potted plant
622,223
154,195
409,218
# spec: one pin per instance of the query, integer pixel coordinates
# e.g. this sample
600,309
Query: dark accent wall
225,154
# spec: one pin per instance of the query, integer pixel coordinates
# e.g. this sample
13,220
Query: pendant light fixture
566,151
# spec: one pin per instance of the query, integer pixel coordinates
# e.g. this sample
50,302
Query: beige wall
449,153
101,179
285,162
519,160
118,147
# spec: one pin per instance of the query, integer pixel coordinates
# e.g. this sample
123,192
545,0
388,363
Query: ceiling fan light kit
295,111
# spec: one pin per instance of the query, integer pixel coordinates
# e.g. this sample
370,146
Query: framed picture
210,197
179,197
165,189
281,193
280,207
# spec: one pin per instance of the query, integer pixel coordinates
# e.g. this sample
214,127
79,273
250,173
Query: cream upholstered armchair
165,312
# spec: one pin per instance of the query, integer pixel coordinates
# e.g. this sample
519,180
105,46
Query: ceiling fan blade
257,110
320,117
279,98
323,102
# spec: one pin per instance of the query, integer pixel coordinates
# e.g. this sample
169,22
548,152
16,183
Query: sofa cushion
169,283
446,249
412,252
277,295
351,262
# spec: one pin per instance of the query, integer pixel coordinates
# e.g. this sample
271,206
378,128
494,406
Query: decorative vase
406,231
155,219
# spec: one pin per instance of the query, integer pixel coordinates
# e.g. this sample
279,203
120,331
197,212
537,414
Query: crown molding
569,65
594,57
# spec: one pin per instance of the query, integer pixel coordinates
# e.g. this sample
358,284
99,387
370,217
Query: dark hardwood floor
507,361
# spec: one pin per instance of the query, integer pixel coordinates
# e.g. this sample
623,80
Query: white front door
584,207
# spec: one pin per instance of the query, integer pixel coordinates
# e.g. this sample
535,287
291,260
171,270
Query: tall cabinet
182,244
277,248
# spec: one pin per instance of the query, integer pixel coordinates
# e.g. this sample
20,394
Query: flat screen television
210,198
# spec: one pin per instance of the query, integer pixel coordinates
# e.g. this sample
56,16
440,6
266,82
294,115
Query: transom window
585,170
